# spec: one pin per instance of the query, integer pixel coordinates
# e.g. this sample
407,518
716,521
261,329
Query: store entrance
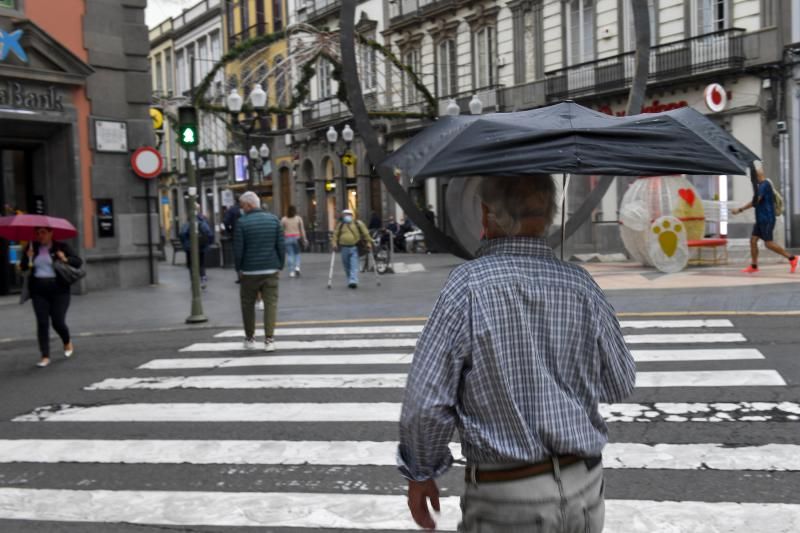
16,196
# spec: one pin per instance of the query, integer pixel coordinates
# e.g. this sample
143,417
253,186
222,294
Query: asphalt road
683,469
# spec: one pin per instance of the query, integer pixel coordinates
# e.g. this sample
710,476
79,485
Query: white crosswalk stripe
350,361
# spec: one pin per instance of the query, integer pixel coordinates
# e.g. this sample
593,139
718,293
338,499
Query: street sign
147,162
348,159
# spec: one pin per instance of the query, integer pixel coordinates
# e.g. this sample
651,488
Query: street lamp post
258,158
333,138
246,126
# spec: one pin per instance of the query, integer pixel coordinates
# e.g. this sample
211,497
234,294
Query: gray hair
250,198
510,200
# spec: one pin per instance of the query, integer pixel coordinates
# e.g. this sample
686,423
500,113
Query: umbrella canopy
23,227
569,138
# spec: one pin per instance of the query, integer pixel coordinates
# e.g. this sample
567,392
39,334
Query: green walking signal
187,127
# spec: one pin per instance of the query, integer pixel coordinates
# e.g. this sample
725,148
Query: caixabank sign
21,95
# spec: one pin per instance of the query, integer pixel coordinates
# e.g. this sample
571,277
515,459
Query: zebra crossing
315,426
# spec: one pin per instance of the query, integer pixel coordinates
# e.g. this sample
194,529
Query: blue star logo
9,42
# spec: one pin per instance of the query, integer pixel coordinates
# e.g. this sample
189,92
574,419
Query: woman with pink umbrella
50,292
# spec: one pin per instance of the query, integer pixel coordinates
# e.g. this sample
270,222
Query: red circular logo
716,97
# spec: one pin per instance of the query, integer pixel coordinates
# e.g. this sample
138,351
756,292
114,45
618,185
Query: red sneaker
750,270
793,265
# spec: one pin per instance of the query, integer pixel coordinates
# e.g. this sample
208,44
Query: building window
580,31
168,71
203,59
159,73
368,64
229,21
261,17
710,16
324,78
446,68
630,33
277,15
529,43
180,67
244,19
484,57
411,59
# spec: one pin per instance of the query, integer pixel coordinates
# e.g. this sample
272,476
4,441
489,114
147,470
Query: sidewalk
631,288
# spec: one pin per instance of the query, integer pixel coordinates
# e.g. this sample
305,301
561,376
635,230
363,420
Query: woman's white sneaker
269,344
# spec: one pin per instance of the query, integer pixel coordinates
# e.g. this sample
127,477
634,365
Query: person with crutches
350,236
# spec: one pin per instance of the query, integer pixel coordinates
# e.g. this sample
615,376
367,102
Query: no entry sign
147,162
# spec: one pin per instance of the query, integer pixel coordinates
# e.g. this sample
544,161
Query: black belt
473,475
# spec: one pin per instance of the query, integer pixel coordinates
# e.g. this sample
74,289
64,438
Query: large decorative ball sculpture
667,244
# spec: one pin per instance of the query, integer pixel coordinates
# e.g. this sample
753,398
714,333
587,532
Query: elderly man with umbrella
521,348
49,290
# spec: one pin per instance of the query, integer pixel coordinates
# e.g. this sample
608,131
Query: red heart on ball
687,195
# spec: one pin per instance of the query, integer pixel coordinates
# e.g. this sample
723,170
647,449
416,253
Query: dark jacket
205,235
258,242
57,246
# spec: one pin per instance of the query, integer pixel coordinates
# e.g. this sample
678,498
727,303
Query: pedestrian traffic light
187,126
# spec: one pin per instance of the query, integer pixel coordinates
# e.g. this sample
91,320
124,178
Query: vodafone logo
716,97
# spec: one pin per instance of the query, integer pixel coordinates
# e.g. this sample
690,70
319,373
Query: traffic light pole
196,315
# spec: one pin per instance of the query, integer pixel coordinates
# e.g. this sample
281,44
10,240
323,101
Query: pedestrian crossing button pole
188,135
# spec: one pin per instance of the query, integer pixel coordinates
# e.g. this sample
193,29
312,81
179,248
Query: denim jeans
292,253
350,262
568,500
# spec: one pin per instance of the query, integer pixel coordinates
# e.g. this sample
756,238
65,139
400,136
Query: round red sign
147,162
716,97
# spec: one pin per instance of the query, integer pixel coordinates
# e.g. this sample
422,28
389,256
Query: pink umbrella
23,227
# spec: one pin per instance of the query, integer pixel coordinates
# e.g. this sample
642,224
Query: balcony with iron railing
312,11
404,12
324,111
711,52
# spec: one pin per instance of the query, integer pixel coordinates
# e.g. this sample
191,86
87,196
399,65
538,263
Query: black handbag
67,272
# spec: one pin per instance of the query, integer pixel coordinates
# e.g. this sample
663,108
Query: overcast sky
160,10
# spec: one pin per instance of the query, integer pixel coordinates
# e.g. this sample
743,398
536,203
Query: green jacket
258,242
349,234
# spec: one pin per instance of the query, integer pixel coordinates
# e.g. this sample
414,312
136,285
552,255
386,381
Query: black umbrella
571,139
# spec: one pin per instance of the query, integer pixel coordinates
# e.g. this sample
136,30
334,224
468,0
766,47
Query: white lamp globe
258,97
347,133
332,135
264,151
253,152
234,101
452,108
475,105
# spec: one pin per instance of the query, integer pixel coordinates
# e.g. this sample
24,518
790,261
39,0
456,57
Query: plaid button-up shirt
518,352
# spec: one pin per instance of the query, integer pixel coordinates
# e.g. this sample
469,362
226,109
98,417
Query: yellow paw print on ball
668,237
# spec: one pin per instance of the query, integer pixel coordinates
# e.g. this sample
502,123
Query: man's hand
418,494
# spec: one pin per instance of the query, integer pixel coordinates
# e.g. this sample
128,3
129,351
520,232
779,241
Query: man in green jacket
260,254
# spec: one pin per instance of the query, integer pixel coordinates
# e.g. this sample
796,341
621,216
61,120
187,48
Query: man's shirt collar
530,246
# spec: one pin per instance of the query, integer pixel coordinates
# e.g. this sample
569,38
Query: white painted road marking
359,511
725,354
617,455
417,328
667,324
387,412
709,378
684,338
278,360
333,344
699,378
329,344
405,359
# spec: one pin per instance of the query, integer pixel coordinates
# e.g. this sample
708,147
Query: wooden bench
714,244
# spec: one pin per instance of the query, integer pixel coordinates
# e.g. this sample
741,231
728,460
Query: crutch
330,271
374,267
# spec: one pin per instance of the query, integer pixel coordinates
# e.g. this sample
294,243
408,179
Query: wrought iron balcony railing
314,10
323,111
721,50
